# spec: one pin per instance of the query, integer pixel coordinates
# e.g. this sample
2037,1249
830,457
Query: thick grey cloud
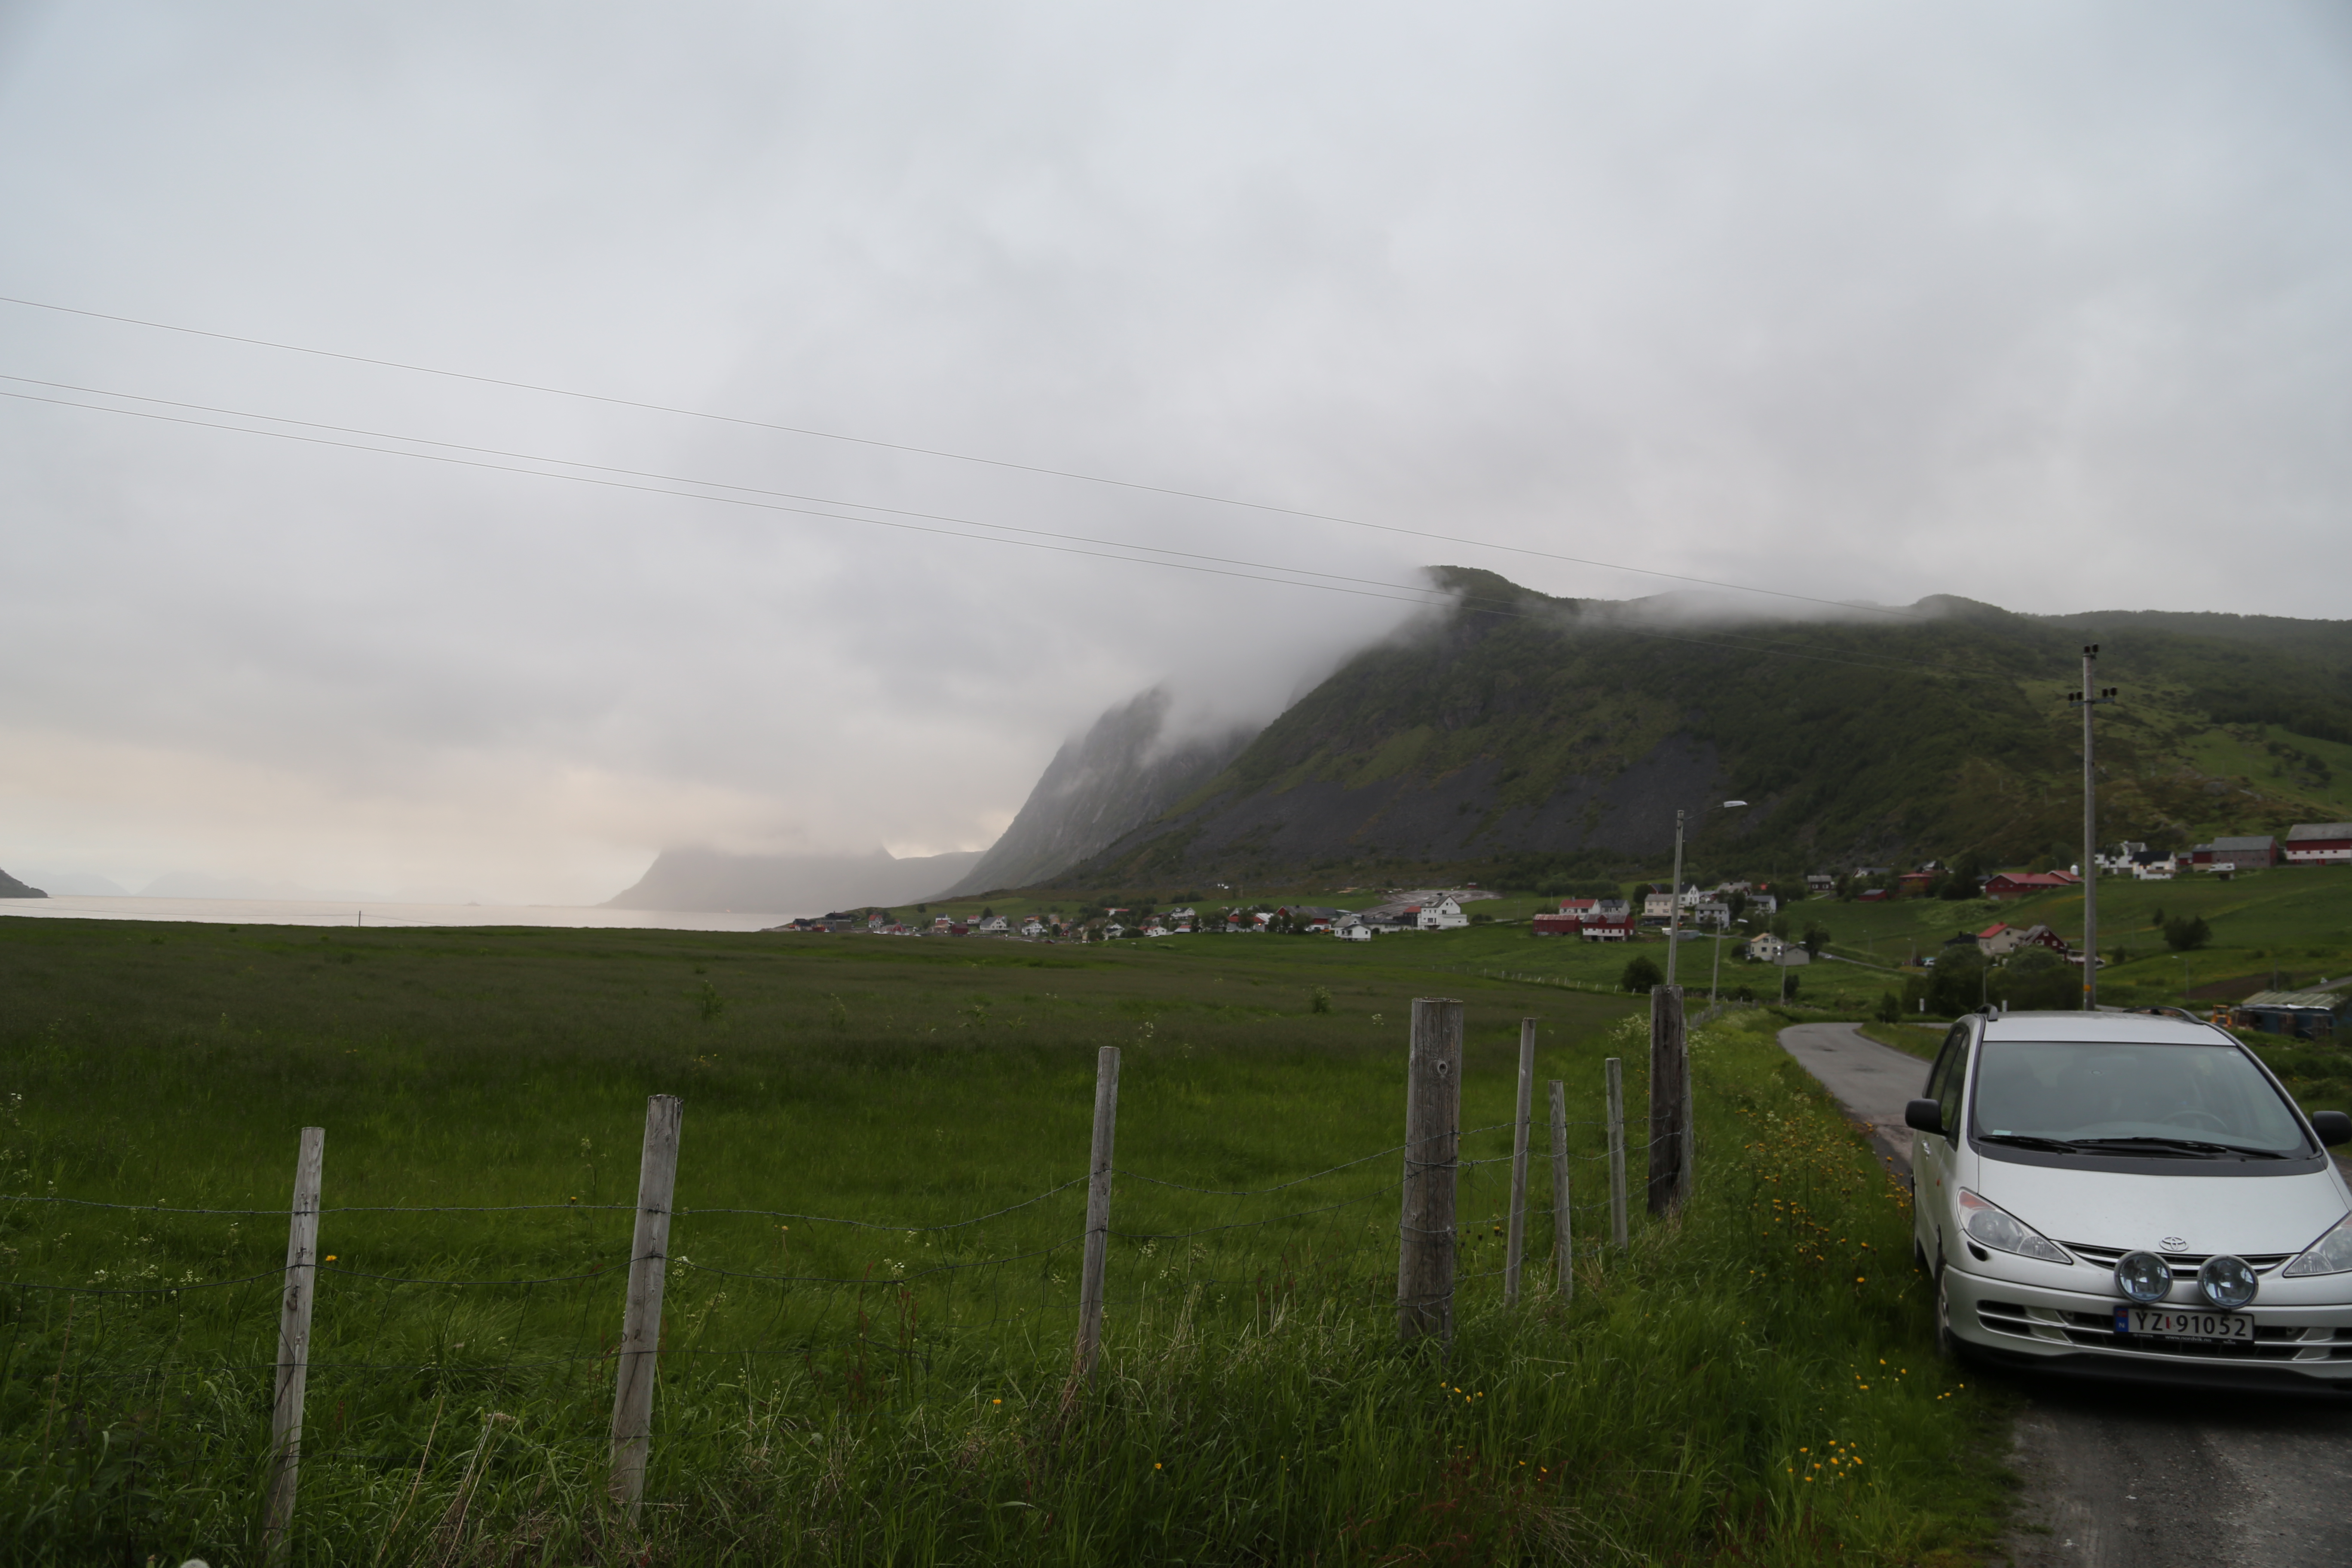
2043,304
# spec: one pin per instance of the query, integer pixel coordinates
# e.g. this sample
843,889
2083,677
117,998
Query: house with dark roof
2245,853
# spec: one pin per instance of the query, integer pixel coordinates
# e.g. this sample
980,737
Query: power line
1297,577
952,457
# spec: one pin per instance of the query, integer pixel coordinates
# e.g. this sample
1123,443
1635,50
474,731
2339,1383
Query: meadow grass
1750,1382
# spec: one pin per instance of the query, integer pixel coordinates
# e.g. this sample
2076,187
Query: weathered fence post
1515,1247
1669,1064
294,1341
1090,1283
1432,1104
1614,1068
1563,1241
632,1387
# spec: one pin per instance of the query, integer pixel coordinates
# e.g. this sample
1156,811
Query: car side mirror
1927,1116
2333,1126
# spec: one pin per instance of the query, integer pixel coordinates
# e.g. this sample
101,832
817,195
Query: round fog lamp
2143,1277
2226,1281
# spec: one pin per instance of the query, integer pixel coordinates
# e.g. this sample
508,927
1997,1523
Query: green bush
2038,980
1640,974
2187,934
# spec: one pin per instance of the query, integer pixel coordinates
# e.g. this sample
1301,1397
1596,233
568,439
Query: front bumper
2300,1343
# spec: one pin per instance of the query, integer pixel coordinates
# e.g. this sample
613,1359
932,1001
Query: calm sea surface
318,912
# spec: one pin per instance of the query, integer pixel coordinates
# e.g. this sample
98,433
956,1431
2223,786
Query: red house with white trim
2319,844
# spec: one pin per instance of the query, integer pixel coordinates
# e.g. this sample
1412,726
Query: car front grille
2096,1330
2184,1264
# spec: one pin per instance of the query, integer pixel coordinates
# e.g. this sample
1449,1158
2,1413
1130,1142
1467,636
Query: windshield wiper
2192,1146
2027,1141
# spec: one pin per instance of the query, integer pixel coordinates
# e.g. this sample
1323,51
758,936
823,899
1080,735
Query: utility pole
1674,909
2086,700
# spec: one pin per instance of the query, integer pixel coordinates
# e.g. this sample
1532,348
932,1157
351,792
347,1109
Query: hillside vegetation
1520,735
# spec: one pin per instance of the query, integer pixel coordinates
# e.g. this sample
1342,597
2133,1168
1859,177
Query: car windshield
2115,1097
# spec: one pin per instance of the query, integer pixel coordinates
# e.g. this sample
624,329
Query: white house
1355,930
1032,928
1658,907
1442,914
993,925
1763,904
1710,912
1766,948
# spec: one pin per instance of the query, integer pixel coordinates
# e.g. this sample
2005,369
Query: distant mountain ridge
1122,774
716,880
12,888
1536,735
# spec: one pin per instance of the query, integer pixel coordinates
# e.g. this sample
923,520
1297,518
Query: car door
1931,1153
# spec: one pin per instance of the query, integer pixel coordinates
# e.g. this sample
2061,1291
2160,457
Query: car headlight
2226,1281
2331,1254
2143,1277
1996,1227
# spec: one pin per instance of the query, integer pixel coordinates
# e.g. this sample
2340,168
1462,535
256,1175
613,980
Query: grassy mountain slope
1527,734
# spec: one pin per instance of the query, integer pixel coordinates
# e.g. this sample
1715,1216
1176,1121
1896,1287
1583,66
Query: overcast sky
2041,303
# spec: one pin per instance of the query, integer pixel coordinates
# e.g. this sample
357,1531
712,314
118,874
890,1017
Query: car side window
1951,1072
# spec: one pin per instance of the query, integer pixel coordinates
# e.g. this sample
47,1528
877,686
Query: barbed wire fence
1454,1205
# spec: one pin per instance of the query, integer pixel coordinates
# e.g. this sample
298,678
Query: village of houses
1701,912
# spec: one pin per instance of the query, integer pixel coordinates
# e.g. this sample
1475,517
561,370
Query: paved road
2119,1478
1871,1080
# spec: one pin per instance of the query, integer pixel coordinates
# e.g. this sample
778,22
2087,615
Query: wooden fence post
632,1386
1614,1068
1563,1215
1090,1282
1515,1247
1669,1062
1433,1123
294,1342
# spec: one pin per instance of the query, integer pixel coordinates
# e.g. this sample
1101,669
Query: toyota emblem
2173,1244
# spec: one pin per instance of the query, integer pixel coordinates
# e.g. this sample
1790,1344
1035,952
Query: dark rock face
1122,774
12,888
713,880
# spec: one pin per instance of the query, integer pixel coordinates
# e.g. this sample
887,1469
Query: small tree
1319,1000
1890,1008
1640,975
1817,937
2187,934
2037,980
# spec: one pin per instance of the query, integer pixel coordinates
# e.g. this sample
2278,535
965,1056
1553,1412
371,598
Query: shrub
2038,980
1640,974
2186,934
1319,1000
1890,1008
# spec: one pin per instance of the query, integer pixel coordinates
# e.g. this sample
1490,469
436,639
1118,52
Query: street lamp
1674,909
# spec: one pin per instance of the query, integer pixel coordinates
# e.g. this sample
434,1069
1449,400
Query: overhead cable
1137,485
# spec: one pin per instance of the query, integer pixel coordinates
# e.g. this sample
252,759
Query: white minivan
2130,1195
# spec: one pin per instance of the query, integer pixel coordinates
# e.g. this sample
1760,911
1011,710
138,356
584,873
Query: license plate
2164,1324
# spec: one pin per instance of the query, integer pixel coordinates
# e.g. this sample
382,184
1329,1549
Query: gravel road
2123,1477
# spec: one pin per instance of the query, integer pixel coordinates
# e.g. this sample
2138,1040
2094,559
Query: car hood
2207,1214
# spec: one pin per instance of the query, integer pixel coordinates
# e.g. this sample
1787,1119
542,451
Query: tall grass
831,1392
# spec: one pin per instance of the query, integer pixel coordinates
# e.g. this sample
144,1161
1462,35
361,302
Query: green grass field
1750,1384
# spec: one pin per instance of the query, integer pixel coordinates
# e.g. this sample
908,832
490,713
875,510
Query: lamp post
2088,700
1674,909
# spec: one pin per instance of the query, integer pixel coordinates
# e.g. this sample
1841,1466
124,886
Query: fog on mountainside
1125,771
1531,736
715,879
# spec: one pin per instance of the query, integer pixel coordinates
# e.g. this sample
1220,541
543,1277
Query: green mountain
1528,737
